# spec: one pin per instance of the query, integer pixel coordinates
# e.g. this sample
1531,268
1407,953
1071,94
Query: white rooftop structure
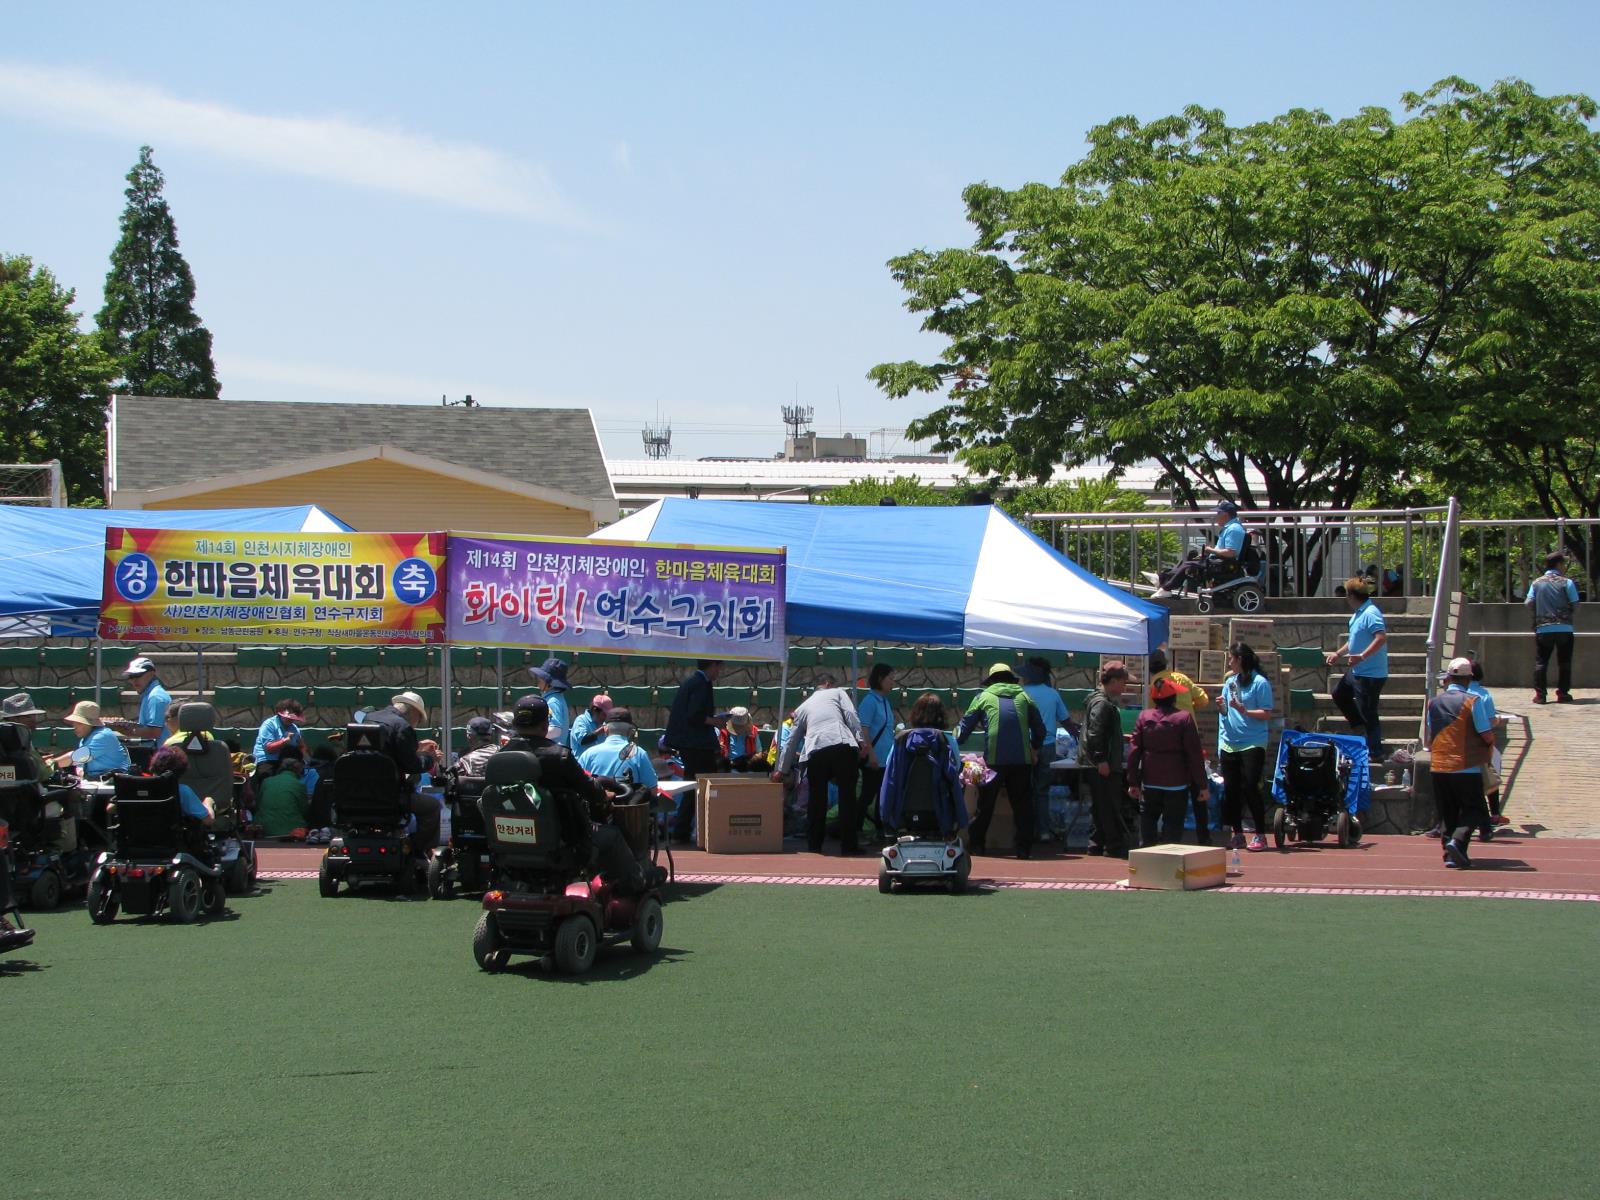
641,481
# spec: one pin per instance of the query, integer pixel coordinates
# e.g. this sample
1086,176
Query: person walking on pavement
1102,749
1461,740
1552,597
1367,649
829,742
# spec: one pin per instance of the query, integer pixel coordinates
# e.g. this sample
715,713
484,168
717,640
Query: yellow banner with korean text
186,585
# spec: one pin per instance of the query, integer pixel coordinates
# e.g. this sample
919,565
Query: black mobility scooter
464,861
369,810
1315,779
159,858
546,896
210,774
42,873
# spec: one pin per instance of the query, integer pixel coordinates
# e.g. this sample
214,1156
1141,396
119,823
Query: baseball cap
139,666
1460,666
602,702
1167,688
480,727
529,710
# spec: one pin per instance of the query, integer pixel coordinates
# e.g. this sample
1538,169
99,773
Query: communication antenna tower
658,440
797,418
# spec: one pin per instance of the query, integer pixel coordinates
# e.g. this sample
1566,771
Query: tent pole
499,679
199,671
444,705
855,675
99,663
783,692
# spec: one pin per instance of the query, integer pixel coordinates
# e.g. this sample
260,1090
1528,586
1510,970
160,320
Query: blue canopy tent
52,559
968,576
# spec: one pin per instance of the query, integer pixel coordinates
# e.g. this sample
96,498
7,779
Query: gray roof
545,447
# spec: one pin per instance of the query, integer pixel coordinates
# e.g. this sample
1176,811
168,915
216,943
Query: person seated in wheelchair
198,813
921,793
617,754
1214,564
607,850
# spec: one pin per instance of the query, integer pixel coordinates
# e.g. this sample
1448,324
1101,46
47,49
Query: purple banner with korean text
625,597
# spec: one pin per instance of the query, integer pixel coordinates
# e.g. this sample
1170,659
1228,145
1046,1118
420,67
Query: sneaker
1447,862
1538,697
1563,697
1161,593
1455,855
1257,843
1436,832
1486,834
1501,819
1236,842
1151,577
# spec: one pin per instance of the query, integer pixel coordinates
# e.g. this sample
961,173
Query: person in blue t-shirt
1229,548
618,756
99,750
154,700
1367,648
553,685
1039,684
876,711
170,760
1552,597
1246,706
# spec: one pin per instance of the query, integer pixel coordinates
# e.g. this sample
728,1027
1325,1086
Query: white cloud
458,174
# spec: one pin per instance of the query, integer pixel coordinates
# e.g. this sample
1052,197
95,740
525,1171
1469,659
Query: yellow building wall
378,494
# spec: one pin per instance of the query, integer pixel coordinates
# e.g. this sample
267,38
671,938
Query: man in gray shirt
828,739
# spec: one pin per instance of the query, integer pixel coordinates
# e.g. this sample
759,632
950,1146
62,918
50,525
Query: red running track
1511,866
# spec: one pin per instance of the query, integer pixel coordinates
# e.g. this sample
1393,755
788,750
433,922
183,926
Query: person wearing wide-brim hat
19,709
1014,733
1165,764
99,750
739,742
405,713
553,685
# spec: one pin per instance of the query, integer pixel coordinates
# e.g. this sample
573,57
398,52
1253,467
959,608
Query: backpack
927,777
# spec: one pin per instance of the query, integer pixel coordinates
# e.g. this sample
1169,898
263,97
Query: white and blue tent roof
52,560
967,576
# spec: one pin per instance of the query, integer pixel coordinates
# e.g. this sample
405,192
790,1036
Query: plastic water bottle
1235,867
1405,779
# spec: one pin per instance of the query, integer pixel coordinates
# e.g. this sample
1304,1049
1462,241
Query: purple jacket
1166,751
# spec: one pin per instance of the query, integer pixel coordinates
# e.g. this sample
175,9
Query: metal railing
1308,552
1446,586
1499,559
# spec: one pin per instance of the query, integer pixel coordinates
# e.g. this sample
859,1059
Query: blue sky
636,208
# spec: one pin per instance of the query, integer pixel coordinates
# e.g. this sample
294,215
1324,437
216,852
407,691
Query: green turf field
816,1041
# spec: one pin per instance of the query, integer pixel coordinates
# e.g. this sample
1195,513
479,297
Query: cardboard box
1255,630
1186,662
1189,633
739,814
1002,835
1175,868
1213,666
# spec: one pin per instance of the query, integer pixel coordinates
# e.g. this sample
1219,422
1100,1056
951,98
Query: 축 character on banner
196,585
686,601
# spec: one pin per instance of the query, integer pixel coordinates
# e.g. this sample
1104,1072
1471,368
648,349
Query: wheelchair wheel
575,945
1202,605
326,883
183,896
102,901
236,878
487,947
438,883
647,926
213,897
1349,830
1280,829
46,891
1247,599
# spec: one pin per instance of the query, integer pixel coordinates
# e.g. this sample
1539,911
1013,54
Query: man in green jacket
1014,733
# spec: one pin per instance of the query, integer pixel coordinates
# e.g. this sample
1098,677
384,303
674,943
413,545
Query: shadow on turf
20,966
616,965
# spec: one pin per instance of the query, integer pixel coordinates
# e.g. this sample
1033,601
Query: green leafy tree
904,490
54,380
148,323
1292,299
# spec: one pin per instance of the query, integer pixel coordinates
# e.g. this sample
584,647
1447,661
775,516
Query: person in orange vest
738,741
1461,739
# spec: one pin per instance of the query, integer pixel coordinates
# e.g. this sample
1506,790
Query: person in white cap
154,700
99,750
406,711
1461,739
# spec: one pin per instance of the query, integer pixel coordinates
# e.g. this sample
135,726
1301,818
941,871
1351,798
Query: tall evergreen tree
148,323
